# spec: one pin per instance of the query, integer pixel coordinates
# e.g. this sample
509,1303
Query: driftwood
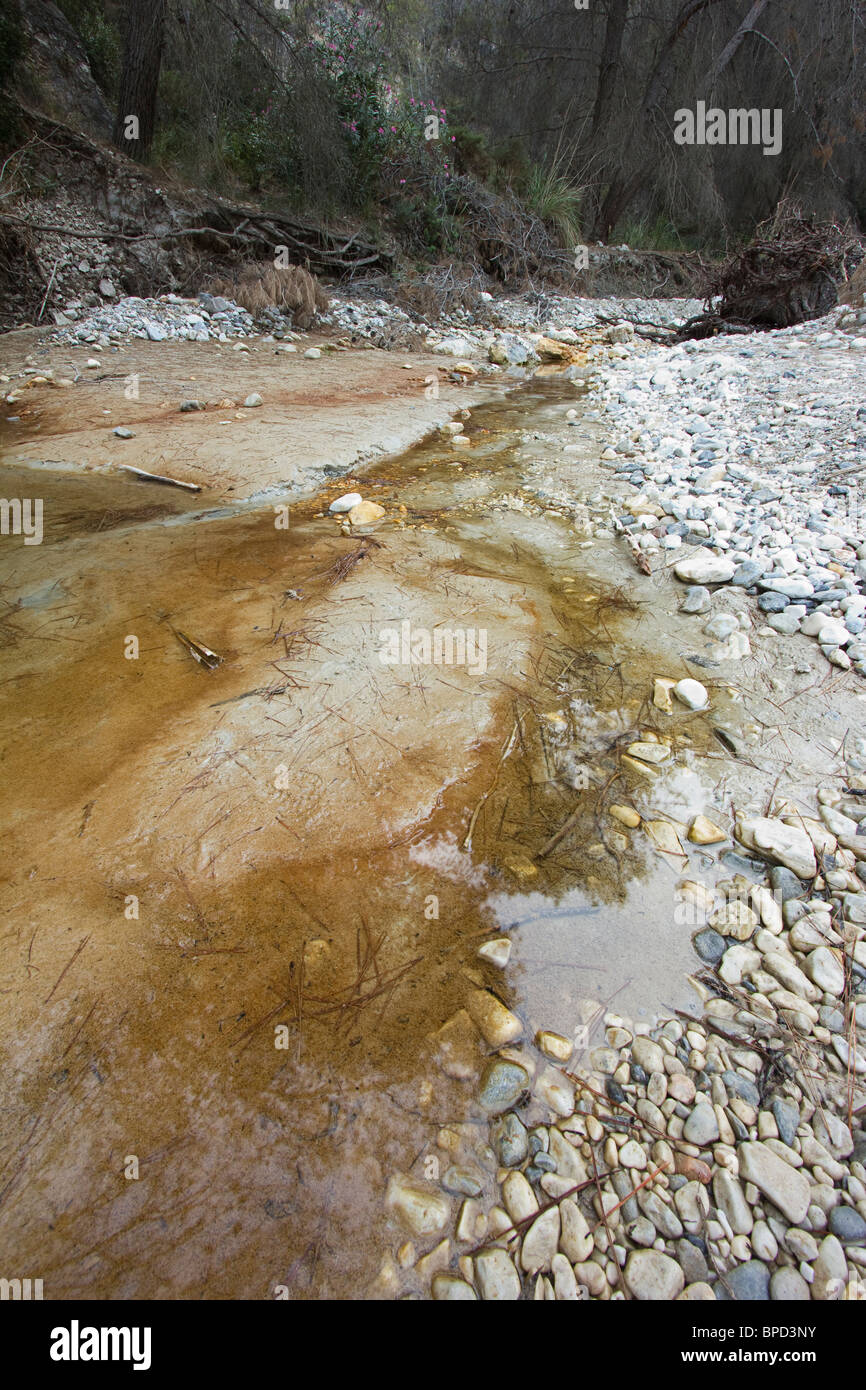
789,273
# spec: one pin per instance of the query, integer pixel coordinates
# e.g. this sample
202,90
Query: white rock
784,1186
830,1270
764,1243
703,567
826,971
540,1242
787,844
423,1210
691,693
731,1200
653,1277
849,1056
345,503
574,1239
564,1282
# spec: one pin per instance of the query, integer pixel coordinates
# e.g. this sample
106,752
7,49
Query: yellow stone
635,764
365,513
519,866
554,1045
648,752
704,832
496,1024
626,815
662,688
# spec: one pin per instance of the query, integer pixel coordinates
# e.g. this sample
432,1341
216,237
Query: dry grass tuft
261,286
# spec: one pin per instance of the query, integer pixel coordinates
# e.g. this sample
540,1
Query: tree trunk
626,185
144,31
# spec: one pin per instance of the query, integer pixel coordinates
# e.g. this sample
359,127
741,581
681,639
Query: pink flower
394,128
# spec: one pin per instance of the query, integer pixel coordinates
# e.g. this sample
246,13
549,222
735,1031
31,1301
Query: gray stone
747,574
740,1086
697,600
772,603
463,1181
509,1140
785,884
709,945
502,1085
691,1261
848,1225
748,1283
786,1113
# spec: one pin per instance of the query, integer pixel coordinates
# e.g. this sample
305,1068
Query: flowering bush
394,139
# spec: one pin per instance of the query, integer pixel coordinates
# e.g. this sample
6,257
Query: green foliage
424,224
101,40
473,154
556,199
651,234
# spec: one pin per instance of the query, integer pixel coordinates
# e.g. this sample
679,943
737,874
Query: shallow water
228,978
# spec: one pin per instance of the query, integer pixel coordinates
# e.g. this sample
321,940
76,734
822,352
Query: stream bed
244,905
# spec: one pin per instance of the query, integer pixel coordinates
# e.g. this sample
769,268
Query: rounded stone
848,1225
502,1085
498,1280
748,1283
447,1288
788,1286
509,1139
702,1126
653,1277
648,1054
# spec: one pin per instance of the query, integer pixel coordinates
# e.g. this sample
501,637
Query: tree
143,38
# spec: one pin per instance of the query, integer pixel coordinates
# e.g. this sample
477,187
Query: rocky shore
721,1157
